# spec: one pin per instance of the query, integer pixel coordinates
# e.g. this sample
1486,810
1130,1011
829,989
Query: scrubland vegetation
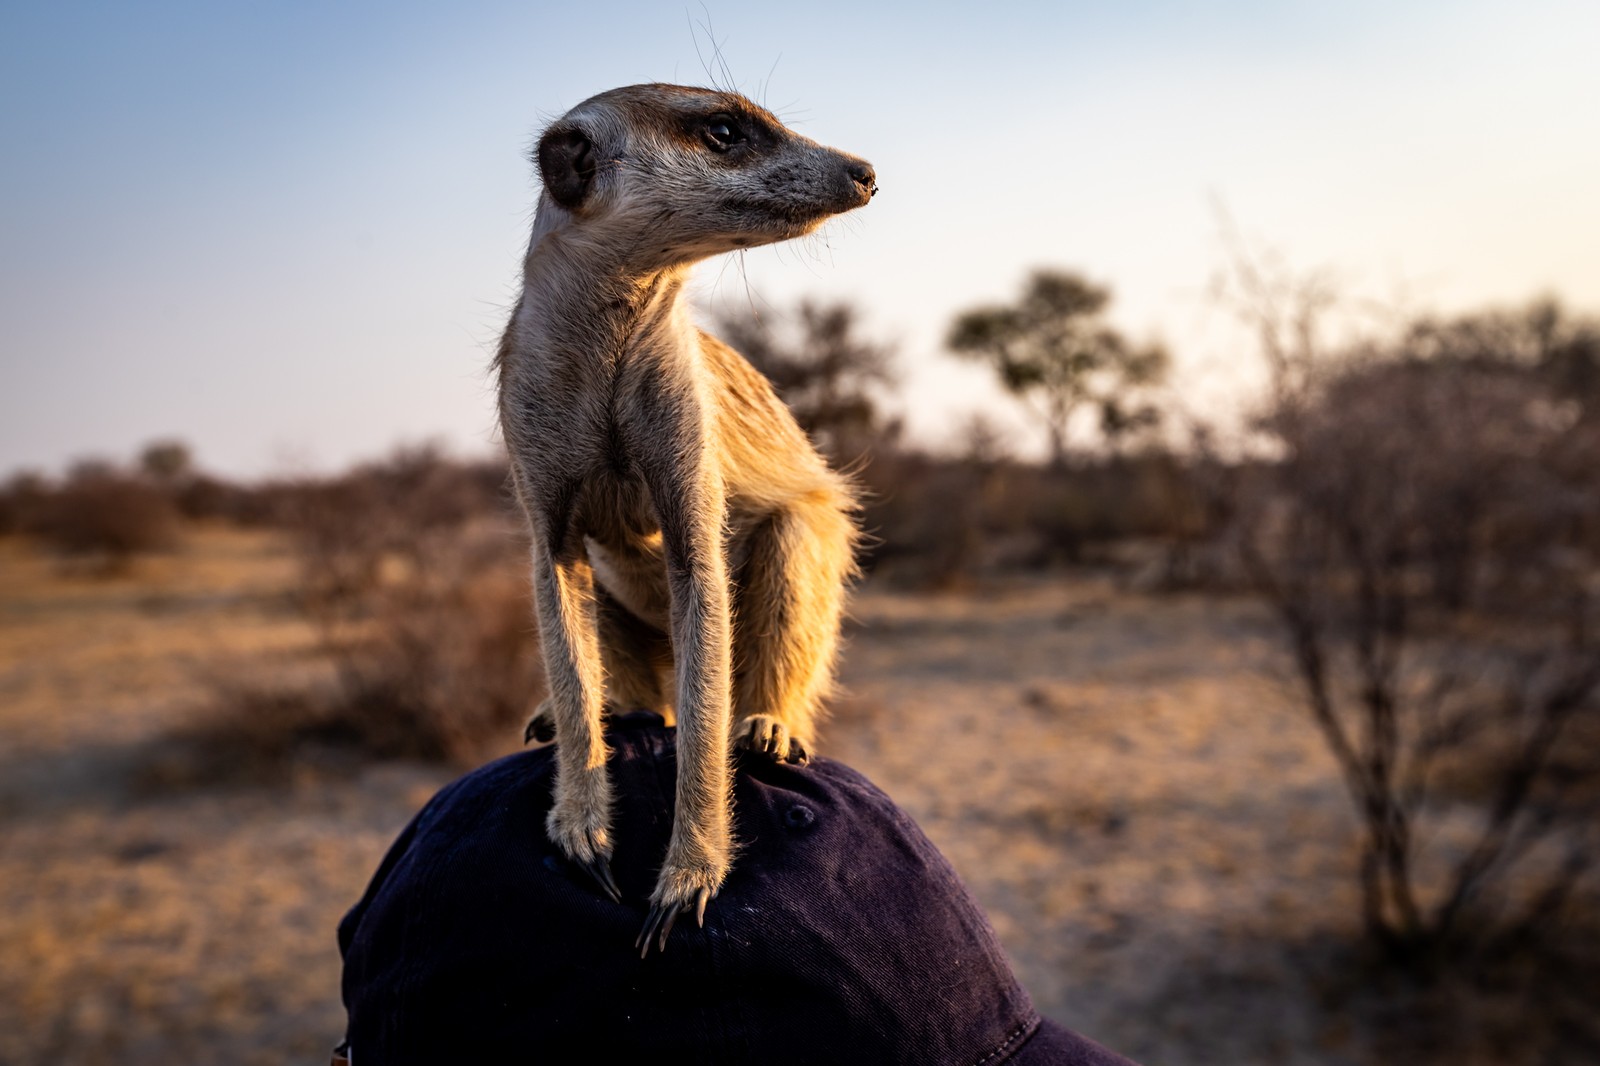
1273,745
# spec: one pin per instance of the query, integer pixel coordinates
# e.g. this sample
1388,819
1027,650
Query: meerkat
691,550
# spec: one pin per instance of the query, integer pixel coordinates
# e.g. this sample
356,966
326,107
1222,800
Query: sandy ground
1156,834
1129,796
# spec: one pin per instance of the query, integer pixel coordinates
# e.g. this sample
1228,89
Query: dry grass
107,659
194,927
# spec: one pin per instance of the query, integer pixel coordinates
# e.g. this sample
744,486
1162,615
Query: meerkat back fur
691,549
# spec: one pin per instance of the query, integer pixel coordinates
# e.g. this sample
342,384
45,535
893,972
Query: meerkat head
663,175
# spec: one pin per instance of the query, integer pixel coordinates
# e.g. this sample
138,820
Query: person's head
842,936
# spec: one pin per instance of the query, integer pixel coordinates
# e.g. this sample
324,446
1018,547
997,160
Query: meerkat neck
583,290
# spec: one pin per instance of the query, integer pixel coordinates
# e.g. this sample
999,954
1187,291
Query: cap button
799,817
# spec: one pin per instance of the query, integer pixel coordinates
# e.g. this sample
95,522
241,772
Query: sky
289,233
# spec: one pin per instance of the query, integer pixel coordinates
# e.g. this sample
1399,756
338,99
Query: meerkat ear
567,165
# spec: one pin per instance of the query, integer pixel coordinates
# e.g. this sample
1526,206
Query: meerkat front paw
767,735
679,888
578,825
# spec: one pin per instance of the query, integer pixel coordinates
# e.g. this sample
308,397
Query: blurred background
1225,382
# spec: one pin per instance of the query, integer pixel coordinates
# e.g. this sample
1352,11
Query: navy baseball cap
842,935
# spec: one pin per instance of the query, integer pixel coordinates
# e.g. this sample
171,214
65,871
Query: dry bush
443,673
939,521
203,497
395,512
1092,503
446,661
922,518
414,575
104,507
103,515
21,500
1430,541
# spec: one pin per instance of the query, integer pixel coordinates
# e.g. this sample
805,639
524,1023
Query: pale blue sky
288,233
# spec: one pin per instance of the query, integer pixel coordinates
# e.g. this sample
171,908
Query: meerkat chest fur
606,379
594,376
690,549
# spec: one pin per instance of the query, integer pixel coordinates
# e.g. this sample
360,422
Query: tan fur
690,548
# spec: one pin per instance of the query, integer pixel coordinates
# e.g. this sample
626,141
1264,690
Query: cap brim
1053,1044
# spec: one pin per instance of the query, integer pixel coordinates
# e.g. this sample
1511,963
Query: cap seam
1028,1026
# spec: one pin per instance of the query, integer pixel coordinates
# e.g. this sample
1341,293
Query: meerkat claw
700,907
600,871
663,916
768,736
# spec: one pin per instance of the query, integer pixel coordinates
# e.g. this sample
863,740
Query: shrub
21,501
414,575
1428,540
939,520
106,515
448,675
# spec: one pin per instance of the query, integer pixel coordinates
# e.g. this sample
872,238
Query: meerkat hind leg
790,596
635,655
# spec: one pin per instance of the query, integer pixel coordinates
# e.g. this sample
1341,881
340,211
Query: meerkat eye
722,133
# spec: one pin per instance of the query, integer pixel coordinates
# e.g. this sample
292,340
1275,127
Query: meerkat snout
843,183
863,175
861,182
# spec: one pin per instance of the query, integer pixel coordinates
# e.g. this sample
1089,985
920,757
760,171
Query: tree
1544,338
1054,347
167,461
824,370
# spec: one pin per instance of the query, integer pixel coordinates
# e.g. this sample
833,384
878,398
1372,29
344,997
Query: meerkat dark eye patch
567,165
722,132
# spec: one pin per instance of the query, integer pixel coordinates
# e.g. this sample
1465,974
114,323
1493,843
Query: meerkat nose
863,175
